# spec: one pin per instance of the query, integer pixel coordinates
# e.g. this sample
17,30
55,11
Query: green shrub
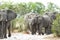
56,26
21,23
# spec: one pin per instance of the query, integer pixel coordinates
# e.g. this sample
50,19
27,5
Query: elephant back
52,15
46,17
46,20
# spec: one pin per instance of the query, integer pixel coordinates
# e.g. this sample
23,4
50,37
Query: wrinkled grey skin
6,17
47,22
1,30
29,22
10,16
2,21
52,15
33,21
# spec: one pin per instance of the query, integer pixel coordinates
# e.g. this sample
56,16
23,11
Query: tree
35,7
52,7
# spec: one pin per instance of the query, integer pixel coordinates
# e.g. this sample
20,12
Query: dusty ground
20,36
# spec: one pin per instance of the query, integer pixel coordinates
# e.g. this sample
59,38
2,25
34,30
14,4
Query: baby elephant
33,20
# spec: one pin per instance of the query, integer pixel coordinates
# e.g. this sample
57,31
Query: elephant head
54,14
10,15
7,15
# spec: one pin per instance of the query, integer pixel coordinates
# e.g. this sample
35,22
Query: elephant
46,23
5,17
10,16
28,21
33,20
52,15
2,19
48,18
1,30
36,24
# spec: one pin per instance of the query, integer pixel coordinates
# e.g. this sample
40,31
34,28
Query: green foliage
36,7
52,7
20,24
56,25
22,8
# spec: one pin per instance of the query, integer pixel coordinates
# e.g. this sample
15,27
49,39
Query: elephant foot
9,35
32,33
42,33
48,33
5,36
39,33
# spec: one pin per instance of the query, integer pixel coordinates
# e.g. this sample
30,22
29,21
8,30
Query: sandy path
20,36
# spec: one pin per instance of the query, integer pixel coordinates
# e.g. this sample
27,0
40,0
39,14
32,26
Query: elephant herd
33,21
5,17
36,22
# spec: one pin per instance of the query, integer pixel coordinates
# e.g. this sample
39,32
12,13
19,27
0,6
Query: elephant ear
11,15
3,15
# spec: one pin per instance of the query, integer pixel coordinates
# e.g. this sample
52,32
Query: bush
21,22
56,26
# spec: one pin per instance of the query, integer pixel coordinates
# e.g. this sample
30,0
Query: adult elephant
47,21
10,16
6,17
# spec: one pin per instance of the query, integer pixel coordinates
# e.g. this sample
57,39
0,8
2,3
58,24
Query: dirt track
20,36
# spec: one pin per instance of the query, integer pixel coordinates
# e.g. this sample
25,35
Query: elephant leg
48,30
33,30
39,29
9,33
9,30
1,30
5,30
43,30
